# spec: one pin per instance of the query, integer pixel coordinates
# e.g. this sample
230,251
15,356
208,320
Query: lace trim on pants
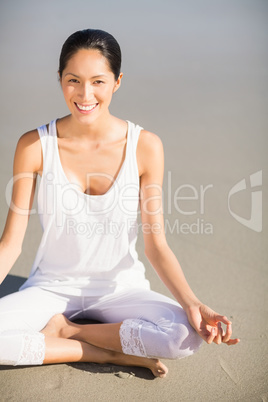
33,349
130,338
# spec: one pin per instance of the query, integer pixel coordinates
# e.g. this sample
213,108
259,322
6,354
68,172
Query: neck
99,130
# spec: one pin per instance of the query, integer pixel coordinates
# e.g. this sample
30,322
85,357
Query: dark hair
102,41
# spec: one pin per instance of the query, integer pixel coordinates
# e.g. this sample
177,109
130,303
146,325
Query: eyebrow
77,76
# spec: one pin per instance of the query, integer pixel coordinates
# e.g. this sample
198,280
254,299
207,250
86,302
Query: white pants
153,325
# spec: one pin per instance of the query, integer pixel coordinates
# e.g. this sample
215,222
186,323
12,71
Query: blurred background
195,73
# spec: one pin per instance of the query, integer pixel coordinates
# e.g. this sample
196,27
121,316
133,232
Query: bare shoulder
28,155
150,151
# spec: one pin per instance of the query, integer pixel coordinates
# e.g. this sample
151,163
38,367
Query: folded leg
138,322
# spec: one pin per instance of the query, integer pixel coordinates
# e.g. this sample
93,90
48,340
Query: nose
86,92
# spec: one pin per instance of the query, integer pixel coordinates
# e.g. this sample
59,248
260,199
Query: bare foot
156,366
55,326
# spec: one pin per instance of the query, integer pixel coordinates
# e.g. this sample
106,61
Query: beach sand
196,75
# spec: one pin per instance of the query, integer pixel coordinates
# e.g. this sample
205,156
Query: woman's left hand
208,324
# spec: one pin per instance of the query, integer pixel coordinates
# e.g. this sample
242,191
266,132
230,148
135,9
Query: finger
212,335
223,319
218,337
228,334
223,334
233,341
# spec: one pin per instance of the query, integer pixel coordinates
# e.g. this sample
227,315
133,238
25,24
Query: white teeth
87,108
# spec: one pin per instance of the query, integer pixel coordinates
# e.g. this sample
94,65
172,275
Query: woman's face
88,85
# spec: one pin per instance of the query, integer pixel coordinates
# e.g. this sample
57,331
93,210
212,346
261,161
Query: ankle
110,357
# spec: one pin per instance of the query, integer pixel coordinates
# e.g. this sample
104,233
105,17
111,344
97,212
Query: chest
92,167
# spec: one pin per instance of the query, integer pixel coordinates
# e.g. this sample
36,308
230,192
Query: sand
195,73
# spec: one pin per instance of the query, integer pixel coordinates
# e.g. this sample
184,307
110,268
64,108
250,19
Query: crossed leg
160,328
60,348
163,329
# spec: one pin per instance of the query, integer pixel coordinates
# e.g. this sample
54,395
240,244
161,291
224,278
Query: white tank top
88,245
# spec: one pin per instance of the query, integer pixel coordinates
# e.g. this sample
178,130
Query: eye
98,82
73,80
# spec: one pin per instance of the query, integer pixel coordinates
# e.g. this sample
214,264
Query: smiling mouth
86,108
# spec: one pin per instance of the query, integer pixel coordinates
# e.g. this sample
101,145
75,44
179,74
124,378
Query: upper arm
151,156
27,163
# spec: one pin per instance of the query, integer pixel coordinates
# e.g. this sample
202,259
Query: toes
160,373
160,370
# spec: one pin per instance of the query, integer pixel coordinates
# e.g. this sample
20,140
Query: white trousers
153,325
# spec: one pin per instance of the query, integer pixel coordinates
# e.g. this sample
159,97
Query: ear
118,82
59,77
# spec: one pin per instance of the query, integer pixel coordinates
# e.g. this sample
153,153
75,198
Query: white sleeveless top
88,245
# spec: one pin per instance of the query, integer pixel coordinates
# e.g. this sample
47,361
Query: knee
181,341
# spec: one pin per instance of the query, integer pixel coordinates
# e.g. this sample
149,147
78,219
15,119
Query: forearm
8,257
169,270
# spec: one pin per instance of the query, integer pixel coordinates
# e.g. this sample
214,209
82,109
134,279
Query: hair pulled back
97,39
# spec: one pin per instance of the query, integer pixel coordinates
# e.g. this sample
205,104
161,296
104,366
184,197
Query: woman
97,173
